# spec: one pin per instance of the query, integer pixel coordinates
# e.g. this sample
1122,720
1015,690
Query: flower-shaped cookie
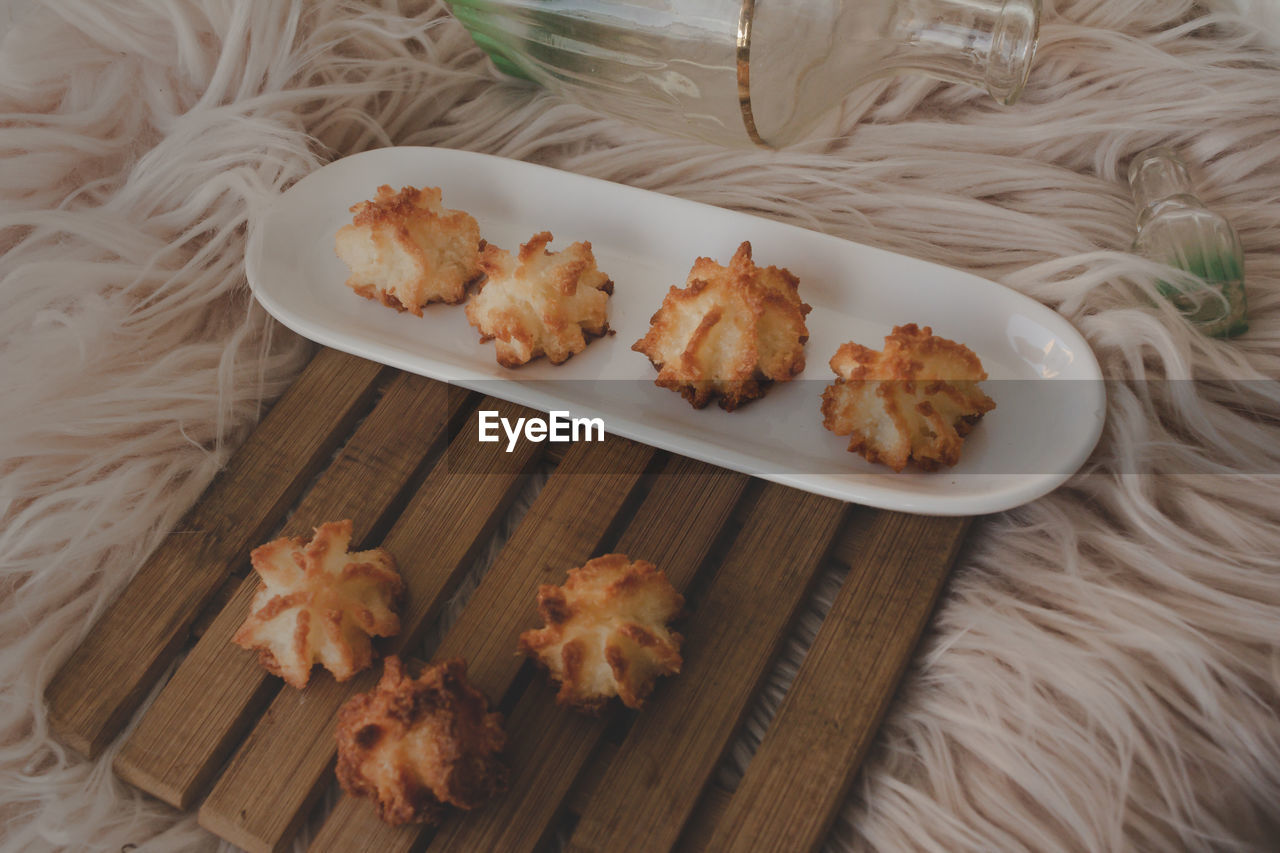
607,633
913,402
320,604
406,250
540,302
729,332
415,744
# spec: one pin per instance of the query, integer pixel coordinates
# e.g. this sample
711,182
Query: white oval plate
1044,378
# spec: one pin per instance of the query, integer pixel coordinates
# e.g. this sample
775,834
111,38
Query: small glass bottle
1175,228
739,72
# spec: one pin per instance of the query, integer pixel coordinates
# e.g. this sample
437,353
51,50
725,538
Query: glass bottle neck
984,43
1159,181
1157,174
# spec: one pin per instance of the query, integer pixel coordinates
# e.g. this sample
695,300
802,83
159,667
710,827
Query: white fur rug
1104,670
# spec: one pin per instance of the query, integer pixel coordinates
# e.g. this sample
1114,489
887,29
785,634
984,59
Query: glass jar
1175,228
749,71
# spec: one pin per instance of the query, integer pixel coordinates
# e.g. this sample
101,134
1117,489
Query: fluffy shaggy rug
1104,670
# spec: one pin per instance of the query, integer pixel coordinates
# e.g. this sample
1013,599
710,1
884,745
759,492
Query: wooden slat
101,684
799,777
589,778
219,689
675,529
849,548
564,528
266,791
664,763
697,832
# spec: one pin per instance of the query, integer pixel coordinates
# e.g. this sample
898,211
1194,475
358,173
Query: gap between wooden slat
100,686
567,525
270,784
217,603
798,778
665,761
219,688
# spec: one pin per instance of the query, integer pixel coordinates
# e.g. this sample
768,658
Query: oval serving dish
1044,378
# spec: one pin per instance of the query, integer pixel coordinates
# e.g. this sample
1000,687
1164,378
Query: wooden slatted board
397,454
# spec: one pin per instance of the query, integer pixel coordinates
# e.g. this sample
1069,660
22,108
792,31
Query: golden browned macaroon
540,302
415,745
914,401
607,632
729,332
406,250
320,604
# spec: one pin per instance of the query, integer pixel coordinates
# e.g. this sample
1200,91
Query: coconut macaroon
319,603
406,250
729,332
914,401
540,302
416,745
606,632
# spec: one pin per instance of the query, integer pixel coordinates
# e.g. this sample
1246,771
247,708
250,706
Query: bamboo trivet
745,553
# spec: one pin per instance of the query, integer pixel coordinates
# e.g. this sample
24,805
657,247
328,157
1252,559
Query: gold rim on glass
744,70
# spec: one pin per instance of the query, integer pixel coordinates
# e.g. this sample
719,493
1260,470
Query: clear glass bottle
749,71
1175,228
